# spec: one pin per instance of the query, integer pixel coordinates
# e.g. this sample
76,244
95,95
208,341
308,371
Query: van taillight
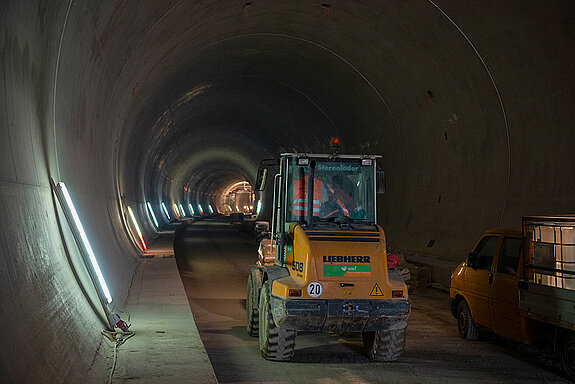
396,294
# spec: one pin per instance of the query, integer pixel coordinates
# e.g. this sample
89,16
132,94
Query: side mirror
261,179
381,182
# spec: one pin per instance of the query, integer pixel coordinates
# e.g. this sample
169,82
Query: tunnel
162,106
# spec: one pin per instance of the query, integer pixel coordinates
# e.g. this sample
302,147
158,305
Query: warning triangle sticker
376,291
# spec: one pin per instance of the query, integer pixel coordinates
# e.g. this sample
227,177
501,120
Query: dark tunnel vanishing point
470,103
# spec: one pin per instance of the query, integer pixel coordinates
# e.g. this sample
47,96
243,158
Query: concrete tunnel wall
470,104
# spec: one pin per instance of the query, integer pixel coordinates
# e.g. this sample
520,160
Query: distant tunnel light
191,209
152,214
210,208
182,210
177,210
259,207
166,211
137,228
201,209
85,241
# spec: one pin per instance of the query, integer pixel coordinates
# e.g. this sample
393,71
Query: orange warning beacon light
334,145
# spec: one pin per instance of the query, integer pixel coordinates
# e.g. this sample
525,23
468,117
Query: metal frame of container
547,292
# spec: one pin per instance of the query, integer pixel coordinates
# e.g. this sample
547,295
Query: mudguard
266,273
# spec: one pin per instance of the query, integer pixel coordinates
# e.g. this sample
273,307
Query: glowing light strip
182,209
165,211
177,210
259,208
191,208
201,209
137,228
84,238
152,214
210,208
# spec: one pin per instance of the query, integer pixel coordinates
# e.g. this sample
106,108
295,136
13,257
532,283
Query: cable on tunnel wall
119,201
140,43
304,95
116,166
500,103
56,86
395,123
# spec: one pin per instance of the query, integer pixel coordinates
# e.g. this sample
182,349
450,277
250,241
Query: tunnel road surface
213,259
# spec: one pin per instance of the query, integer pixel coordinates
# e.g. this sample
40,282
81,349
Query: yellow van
484,288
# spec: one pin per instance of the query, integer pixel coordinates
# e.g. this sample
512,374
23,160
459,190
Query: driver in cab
340,202
330,199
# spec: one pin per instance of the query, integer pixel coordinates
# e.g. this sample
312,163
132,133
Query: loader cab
323,192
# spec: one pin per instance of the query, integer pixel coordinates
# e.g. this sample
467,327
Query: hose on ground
118,338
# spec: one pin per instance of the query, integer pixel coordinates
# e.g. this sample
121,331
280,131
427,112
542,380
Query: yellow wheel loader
323,265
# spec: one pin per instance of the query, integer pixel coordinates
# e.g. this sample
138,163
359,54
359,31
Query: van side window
509,257
484,252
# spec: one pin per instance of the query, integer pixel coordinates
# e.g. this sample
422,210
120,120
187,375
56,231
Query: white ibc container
545,234
568,254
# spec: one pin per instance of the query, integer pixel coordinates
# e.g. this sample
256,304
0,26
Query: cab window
509,257
482,255
341,188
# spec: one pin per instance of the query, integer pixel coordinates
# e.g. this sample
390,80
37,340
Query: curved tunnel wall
469,103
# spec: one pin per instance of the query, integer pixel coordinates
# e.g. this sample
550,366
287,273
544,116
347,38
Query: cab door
504,293
478,277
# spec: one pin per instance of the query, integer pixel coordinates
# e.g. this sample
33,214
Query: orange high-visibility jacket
299,207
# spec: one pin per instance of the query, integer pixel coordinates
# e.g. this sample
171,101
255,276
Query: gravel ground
213,262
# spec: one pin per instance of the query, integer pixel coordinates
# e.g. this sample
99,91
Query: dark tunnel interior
469,103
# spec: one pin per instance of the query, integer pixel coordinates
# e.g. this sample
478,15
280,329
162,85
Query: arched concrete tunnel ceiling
271,100
426,84
469,102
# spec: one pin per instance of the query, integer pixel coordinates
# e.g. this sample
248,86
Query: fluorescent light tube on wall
152,214
182,210
85,242
176,209
165,211
137,228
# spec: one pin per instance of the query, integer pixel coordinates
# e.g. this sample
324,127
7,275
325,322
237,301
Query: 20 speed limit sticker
314,289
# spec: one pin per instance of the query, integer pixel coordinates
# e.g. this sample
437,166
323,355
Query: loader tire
465,324
275,343
252,313
385,345
568,355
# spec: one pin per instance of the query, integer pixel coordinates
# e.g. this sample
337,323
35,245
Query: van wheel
568,356
385,345
467,328
275,343
252,313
